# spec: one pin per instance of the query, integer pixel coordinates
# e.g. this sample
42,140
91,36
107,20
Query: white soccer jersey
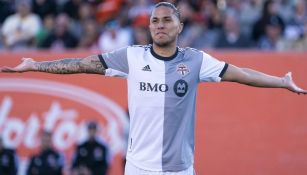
161,100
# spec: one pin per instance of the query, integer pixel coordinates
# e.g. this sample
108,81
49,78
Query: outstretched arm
90,64
254,78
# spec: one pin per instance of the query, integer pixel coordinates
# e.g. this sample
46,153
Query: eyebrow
164,17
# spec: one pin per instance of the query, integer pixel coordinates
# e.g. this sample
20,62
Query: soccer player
162,80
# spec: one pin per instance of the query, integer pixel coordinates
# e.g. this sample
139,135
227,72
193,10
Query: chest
5,159
150,76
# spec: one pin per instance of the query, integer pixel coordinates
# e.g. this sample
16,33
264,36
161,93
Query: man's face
46,141
92,133
164,26
23,9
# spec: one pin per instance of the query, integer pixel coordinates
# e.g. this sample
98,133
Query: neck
45,149
92,139
165,51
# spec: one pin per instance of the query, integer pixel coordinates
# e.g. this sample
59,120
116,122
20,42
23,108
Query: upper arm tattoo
90,64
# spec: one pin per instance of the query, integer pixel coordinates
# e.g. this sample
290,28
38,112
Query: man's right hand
90,65
27,64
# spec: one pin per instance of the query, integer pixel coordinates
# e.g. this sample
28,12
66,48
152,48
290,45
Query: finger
7,69
289,74
301,91
26,59
304,92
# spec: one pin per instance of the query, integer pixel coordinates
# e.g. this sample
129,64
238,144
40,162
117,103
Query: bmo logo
153,87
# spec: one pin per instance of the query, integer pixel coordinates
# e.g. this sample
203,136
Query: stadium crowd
110,24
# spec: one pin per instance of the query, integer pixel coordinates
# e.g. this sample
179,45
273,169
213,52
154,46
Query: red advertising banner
239,130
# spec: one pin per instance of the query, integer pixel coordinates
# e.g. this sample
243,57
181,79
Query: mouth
161,33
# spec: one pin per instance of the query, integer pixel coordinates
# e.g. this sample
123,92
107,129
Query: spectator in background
196,32
8,160
61,37
273,34
48,161
86,12
299,44
44,8
231,36
295,28
70,8
191,30
114,36
249,12
141,36
203,21
20,29
6,9
89,39
141,10
92,155
138,15
285,9
108,9
270,9
45,31
213,14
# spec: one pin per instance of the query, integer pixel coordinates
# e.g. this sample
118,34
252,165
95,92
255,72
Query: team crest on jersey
181,88
182,69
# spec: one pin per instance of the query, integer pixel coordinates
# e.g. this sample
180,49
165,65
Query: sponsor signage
28,106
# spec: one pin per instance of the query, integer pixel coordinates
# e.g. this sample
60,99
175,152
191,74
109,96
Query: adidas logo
146,68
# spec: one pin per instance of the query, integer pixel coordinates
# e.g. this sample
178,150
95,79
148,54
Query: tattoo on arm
89,64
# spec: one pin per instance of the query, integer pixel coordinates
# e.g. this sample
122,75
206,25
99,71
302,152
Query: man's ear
180,27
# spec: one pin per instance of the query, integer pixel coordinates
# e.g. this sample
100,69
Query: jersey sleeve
211,70
116,63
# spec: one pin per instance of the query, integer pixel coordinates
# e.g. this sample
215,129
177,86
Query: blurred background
109,24
46,121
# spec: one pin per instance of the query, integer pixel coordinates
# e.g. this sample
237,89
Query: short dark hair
46,133
169,5
92,125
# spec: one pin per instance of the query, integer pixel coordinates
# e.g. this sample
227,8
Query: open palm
290,85
27,64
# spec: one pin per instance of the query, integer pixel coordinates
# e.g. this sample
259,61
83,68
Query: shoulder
10,20
55,152
148,46
189,50
192,53
101,143
33,17
136,51
34,157
82,144
140,47
9,151
12,17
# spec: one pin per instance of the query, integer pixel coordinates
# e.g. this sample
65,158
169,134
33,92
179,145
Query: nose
160,25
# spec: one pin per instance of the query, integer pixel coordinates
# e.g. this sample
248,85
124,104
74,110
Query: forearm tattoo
89,64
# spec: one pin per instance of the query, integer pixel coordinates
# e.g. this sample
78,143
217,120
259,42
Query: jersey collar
162,57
